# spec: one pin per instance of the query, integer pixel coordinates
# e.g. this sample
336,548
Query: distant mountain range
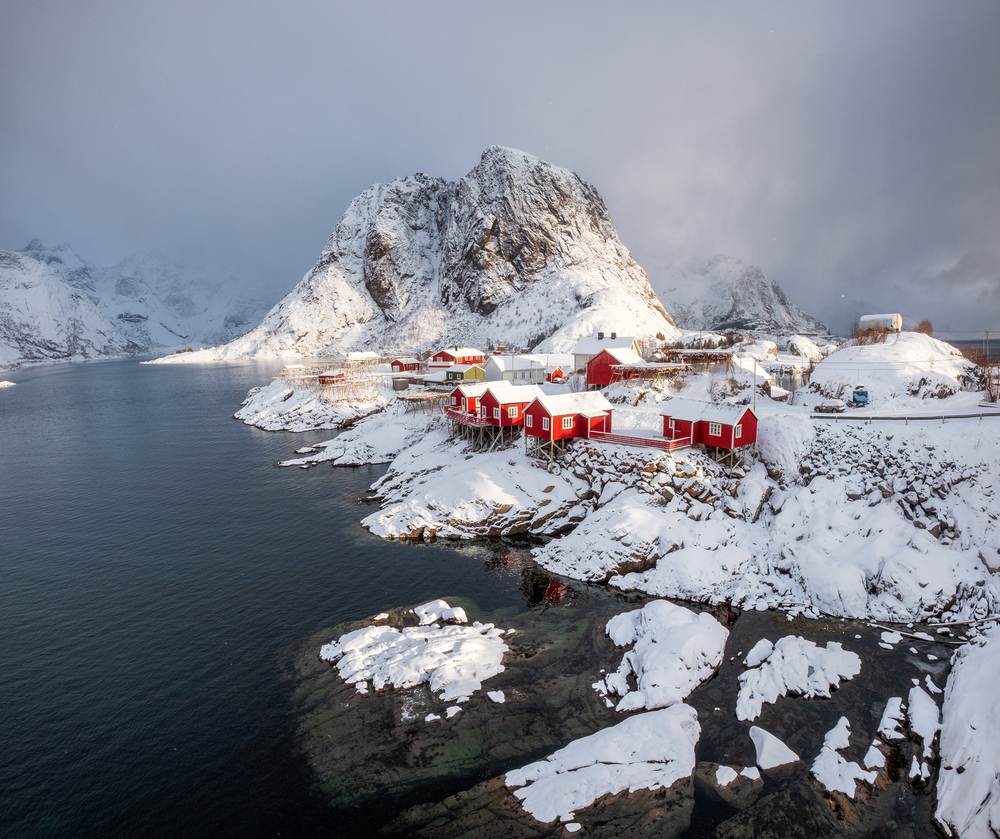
725,294
54,306
518,252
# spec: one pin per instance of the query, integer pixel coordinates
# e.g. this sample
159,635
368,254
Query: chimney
600,336
614,335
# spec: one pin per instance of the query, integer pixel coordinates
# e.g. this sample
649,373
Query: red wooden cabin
466,397
556,375
504,406
457,355
600,371
405,365
330,378
567,415
724,426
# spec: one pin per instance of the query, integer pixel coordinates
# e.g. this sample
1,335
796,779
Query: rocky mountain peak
517,252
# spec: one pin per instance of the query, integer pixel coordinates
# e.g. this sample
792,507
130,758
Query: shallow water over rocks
375,753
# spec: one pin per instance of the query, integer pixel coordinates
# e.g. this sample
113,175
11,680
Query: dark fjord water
158,573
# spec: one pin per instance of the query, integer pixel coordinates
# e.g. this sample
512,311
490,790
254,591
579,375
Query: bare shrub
925,327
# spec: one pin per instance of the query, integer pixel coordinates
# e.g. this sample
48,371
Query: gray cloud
847,149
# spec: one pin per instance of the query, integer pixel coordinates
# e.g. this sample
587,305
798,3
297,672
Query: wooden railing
650,442
466,418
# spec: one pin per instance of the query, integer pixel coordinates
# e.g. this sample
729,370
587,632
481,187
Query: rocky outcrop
518,252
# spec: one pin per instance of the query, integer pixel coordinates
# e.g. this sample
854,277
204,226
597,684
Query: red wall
579,428
489,402
599,370
723,441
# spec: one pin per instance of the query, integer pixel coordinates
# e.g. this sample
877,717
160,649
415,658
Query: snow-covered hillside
54,306
901,372
726,294
518,252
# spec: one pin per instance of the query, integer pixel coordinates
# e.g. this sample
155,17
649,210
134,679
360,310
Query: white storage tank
886,323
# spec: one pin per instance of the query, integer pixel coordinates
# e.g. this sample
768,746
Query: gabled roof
574,403
479,388
455,352
623,355
406,360
592,345
509,393
691,410
461,368
518,362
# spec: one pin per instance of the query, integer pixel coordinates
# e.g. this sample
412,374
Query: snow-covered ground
281,406
894,521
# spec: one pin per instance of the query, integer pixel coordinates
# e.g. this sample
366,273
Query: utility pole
755,387
987,346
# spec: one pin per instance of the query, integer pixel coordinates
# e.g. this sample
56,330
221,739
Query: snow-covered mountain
518,252
54,306
726,294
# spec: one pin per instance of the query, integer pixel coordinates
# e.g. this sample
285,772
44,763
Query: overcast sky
850,150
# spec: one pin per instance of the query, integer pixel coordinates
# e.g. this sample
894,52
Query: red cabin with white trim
405,365
600,370
724,426
504,406
457,355
567,415
465,398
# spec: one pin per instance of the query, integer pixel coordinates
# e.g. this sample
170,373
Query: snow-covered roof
461,368
592,345
406,360
690,410
436,377
459,351
623,355
510,393
479,388
518,362
574,403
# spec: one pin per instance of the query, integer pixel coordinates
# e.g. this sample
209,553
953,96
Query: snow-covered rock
674,651
968,787
55,306
645,751
454,660
518,252
725,294
771,751
794,666
832,770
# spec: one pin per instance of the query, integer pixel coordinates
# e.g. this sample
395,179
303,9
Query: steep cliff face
726,294
518,252
54,306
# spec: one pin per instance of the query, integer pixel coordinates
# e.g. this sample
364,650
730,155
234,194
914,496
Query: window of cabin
527,420
738,431
670,424
512,412
454,400
567,423
714,429
496,413
545,423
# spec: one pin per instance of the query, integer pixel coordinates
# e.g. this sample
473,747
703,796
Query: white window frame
545,423
670,424
715,429
496,413
527,420
454,400
512,412
738,431
567,423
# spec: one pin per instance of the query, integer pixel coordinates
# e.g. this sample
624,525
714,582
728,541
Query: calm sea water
156,574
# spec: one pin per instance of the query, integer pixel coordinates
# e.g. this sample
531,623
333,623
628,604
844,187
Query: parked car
831,406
